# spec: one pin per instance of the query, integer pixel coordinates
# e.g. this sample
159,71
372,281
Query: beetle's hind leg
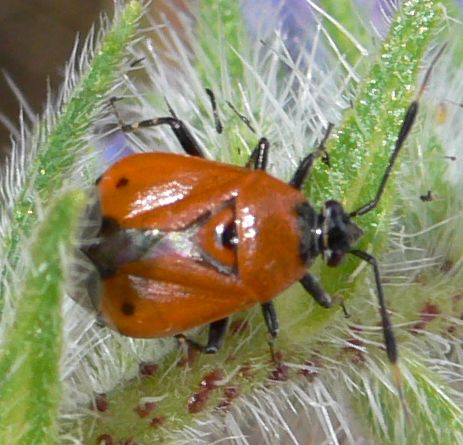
184,136
217,331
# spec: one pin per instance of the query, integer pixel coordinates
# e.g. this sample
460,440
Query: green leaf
434,416
66,142
30,357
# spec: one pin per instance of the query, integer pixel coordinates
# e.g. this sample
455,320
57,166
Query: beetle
185,241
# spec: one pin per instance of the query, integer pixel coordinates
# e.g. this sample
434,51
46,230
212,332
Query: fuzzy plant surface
38,227
332,383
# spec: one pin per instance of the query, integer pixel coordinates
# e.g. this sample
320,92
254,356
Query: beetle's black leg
217,330
304,168
389,339
312,286
184,136
259,156
215,111
271,321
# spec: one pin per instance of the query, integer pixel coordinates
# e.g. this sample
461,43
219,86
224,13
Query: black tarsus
271,322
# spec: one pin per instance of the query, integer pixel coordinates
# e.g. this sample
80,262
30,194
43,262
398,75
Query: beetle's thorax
311,233
330,232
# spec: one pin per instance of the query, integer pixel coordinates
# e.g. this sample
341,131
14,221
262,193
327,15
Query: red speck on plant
101,402
157,421
145,409
105,439
213,379
198,401
147,369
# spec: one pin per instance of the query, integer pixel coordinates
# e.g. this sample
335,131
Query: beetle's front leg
312,286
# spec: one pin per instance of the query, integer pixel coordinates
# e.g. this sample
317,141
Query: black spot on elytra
128,308
122,182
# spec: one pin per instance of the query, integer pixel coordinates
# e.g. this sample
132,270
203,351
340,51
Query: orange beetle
185,241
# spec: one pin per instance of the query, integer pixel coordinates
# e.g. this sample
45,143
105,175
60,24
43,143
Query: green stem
66,142
29,363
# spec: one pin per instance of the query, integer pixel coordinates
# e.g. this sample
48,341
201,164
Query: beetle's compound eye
334,257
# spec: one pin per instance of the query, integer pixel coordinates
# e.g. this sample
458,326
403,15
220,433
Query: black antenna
407,124
389,339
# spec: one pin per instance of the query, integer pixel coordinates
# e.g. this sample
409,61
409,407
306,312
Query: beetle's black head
331,232
337,232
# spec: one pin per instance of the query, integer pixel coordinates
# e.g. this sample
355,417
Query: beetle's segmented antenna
389,339
407,124
425,81
215,111
242,117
